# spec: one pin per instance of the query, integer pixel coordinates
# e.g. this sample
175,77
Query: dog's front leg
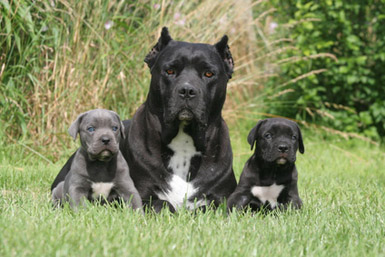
238,201
158,205
293,197
58,195
131,198
77,197
295,202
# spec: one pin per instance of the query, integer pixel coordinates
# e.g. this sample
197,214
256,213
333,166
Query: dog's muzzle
104,155
103,150
187,91
185,115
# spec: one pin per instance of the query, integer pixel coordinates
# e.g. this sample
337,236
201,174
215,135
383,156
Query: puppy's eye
267,135
209,74
294,137
91,129
170,71
114,128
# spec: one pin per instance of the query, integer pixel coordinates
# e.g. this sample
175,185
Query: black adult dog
177,145
269,178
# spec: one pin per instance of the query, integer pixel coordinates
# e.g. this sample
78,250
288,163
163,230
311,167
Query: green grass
58,60
341,183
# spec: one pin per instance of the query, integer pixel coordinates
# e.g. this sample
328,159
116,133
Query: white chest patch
179,193
184,149
101,189
267,194
180,190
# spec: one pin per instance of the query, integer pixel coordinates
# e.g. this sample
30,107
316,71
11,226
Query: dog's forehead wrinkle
190,53
278,128
100,120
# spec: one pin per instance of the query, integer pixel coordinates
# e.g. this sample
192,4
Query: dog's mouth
185,115
282,159
104,155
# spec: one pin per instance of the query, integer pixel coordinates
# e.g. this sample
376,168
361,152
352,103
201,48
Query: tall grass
59,58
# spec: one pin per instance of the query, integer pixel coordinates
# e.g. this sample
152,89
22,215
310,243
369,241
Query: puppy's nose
105,140
283,148
187,91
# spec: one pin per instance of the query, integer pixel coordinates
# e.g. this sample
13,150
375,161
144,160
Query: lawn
341,183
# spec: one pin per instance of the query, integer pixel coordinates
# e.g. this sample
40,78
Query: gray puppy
269,178
98,170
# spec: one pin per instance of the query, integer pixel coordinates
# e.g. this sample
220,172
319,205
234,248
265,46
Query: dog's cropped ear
252,137
163,41
74,128
122,134
224,51
301,147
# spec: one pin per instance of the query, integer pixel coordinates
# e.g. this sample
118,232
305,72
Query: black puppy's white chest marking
180,191
101,189
267,193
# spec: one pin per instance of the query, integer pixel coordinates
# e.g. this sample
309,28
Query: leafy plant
348,92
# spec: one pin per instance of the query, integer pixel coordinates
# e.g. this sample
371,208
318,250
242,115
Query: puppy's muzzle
105,140
283,148
103,149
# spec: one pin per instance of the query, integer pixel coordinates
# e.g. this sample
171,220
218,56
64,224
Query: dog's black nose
105,140
283,148
187,91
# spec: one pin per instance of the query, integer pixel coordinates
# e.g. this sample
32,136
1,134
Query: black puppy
269,178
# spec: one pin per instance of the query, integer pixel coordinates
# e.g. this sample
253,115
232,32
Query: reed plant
60,58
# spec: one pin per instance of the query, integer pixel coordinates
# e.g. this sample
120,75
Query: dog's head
276,140
100,132
188,80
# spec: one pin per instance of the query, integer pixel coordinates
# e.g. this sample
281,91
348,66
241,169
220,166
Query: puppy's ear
122,134
300,141
224,51
74,128
163,41
252,137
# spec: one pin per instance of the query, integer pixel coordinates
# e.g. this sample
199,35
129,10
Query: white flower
179,19
273,25
176,16
156,6
181,22
108,25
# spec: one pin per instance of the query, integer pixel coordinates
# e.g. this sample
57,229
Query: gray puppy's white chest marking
267,193
101,189
181,190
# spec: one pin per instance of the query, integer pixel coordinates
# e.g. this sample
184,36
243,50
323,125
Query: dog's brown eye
209,74
267,135
170,71
294,137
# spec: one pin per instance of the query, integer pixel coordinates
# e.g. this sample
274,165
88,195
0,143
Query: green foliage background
350,94
319,62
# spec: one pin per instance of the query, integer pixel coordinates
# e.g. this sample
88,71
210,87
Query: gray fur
97,162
